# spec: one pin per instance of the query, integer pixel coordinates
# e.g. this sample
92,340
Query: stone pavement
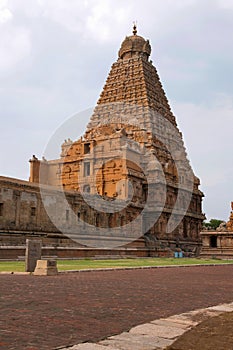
158,334
48,312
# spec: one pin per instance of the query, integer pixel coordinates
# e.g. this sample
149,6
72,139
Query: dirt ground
215,333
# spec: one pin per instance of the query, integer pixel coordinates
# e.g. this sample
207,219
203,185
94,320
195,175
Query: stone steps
221,253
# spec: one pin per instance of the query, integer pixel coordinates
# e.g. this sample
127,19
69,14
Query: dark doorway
213,241
86,148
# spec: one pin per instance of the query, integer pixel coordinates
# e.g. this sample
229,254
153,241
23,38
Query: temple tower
133,150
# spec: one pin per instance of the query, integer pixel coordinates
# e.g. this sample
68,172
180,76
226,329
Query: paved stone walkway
158,334
48,312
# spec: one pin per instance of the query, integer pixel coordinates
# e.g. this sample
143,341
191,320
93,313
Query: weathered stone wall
217,244
22,208
22,216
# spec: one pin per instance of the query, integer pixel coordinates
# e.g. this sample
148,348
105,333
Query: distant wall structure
219,243
132,152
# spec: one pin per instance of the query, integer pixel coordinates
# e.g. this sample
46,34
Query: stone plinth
33,253
46,268
217,244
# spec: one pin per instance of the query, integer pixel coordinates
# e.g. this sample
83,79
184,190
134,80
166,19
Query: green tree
213,223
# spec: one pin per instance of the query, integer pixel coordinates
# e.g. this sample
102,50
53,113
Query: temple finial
134,28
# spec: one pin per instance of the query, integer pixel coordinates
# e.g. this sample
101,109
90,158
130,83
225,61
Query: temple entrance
213,241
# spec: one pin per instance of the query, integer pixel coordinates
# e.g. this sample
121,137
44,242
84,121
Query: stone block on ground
222,308
157,330
128,341
33,253
90,346
46,268
170,323
193,318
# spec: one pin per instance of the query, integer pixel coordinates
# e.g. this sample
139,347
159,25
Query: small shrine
219,243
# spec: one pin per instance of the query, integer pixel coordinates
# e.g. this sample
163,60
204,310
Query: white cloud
207,133
90,19
5,14
226,4
3,4
14,46
14,39
208,129
97,27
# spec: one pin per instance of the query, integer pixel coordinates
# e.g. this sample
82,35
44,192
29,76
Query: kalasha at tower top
134,45
132,149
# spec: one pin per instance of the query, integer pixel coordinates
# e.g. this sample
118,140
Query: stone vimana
127,184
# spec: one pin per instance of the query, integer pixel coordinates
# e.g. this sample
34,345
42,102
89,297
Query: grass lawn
19,266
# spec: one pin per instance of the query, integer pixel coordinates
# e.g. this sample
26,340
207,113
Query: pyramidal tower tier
132,151
133,80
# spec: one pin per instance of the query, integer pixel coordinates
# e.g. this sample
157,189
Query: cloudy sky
55,56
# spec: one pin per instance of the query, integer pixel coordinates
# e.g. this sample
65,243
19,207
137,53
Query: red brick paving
49,312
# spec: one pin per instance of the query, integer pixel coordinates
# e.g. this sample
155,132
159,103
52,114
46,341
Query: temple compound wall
23,215
29,211
219,243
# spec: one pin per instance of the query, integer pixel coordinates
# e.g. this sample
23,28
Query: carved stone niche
67,169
